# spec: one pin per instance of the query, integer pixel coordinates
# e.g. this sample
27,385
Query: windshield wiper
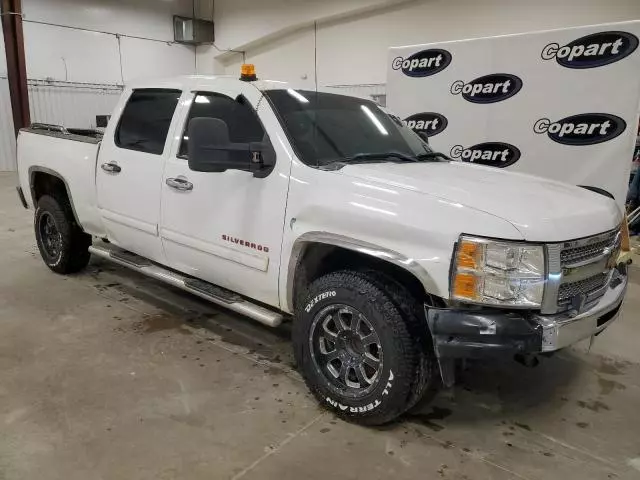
431,156
379,156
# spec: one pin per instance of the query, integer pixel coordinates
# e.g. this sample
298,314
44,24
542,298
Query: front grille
579,270
587,287
589,248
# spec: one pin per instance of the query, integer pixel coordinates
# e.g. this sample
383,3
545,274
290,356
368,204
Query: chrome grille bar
554,277
578,269
586,250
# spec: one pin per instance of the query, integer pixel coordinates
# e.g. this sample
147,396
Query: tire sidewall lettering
368,407
318,298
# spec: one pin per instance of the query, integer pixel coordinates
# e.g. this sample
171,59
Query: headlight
498,272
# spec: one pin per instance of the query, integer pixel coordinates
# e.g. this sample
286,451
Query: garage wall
143,18
88,40
7,140
80,52
352,43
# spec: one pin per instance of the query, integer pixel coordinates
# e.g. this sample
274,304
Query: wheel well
43,183
319,259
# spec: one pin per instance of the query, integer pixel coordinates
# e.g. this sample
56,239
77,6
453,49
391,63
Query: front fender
357,245
411,229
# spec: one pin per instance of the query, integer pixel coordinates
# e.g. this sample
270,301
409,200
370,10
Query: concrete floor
107,375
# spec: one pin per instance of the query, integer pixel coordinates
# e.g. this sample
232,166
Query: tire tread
75,243
427,381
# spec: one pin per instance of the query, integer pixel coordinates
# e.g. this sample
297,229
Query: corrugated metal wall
71,104
7,139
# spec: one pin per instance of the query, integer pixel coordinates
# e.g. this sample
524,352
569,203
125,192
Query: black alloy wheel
63,245
346,350
50,235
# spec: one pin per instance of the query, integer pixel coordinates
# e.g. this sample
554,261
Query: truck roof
206,82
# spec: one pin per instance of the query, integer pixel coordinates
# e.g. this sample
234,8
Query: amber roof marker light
248,72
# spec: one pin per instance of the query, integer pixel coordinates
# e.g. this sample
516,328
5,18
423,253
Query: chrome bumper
559,331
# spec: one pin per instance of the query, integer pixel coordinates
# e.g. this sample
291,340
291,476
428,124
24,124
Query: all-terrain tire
72,252
389,396
428,381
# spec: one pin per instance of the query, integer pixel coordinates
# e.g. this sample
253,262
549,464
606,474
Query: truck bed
69,154
76,134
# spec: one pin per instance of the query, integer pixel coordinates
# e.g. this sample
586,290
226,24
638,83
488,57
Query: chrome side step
218,295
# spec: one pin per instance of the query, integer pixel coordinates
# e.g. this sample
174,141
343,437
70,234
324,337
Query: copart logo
423,63
488,89
429,123
590,51
582,129
493,154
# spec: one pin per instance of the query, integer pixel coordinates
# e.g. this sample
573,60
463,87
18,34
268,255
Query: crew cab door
226,227
129,170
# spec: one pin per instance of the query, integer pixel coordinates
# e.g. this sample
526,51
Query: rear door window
145,120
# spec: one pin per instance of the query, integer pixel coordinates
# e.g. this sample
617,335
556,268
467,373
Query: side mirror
210,150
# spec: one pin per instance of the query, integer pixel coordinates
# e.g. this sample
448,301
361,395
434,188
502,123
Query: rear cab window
145,120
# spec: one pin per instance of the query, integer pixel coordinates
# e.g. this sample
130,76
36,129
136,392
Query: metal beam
11,12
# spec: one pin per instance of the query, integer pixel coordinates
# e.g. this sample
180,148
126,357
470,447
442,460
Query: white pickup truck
391,260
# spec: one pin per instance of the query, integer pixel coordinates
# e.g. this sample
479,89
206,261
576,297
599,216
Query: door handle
111,167
179,183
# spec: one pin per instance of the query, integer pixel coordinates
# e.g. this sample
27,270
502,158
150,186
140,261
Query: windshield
325,128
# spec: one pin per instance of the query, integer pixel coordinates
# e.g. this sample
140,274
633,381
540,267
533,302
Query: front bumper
459,333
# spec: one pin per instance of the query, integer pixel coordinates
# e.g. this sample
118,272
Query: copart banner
562,104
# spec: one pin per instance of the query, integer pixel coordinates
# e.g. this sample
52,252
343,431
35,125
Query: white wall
76,40
141,59
289,58
105,42
141,18
240,23
70,55
352,48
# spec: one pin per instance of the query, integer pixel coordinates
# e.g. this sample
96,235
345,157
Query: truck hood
542,210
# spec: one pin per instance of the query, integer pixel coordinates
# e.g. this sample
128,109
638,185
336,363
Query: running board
208,291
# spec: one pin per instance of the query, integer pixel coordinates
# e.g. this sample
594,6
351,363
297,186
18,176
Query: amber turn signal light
468,254
464,285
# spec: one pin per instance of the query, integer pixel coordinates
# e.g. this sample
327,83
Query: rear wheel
354,348
64,247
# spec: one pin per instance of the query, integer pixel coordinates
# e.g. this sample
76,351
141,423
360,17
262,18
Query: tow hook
527,360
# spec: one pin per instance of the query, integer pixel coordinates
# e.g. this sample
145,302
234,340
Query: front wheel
354,348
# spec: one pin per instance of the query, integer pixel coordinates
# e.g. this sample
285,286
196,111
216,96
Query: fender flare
39,169
360,246
599,190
